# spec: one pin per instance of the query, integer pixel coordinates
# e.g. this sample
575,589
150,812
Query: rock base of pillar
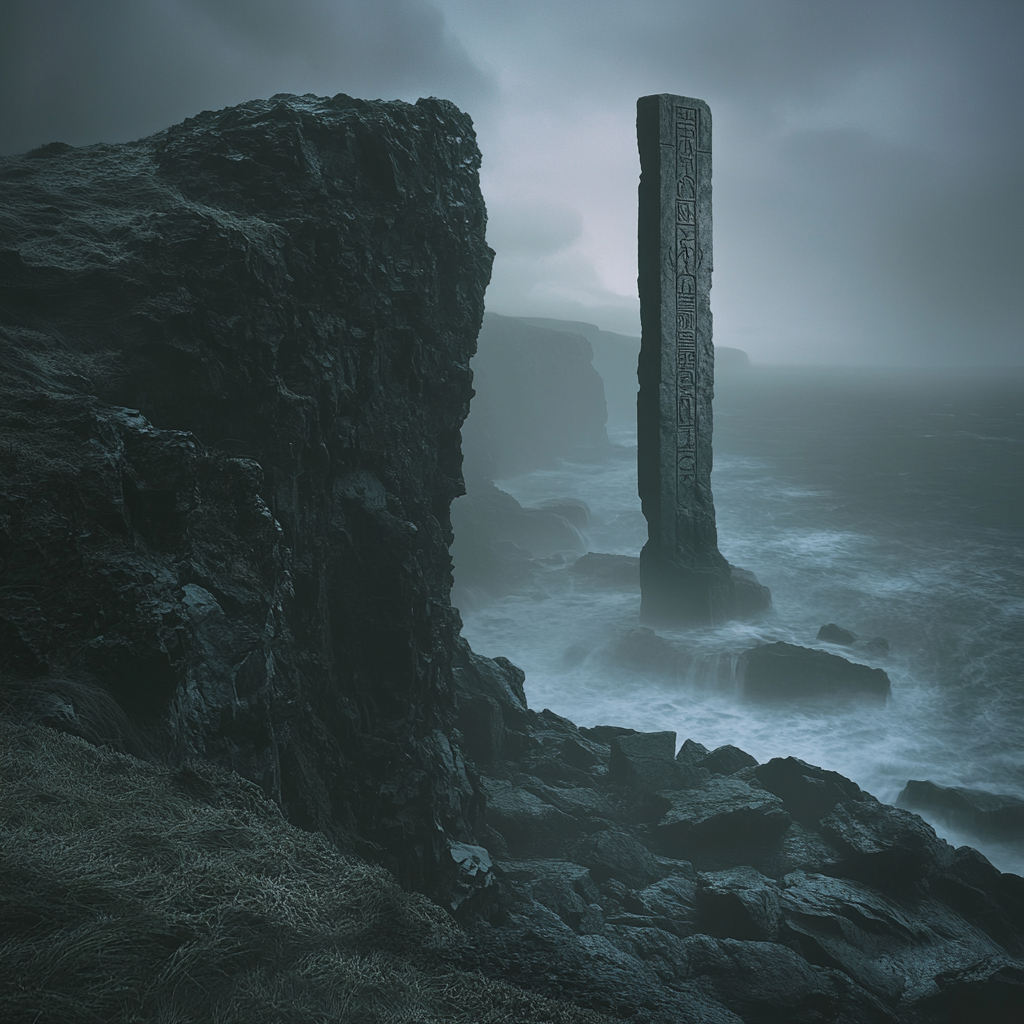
675,595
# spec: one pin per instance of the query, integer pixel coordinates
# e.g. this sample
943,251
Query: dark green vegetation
134,891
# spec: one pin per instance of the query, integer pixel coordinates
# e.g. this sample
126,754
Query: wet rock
616,854
235,369
563,887
883,844
492,713
876,647
738,903
530,826
720,818
992,815
640,649
691,753
781,670
807,792
726,760
644,760
833,634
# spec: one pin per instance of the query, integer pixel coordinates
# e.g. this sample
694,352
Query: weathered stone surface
785,671
739,903
808,792
530,826
833,634
683,576
235,365
720,816
998,816
619,572
691,753
616,854
644,760
726,760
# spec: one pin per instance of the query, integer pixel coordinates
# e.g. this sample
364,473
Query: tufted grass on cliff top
133,891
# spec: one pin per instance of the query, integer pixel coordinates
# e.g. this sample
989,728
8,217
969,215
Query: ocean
890,502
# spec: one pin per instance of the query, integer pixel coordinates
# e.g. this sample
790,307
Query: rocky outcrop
787,671
703,886
235,366
990,815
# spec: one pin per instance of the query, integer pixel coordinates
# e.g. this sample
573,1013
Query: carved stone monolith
683,576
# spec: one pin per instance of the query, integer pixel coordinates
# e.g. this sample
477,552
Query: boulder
616,854
641,649
807,792
992,815
781,670
738,903
726,816
884,845
727,760
530,826
644,760
833,634
691,753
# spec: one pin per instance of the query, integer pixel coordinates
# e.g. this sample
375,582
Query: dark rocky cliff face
235,367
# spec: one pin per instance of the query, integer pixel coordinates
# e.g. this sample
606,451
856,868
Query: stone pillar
683,576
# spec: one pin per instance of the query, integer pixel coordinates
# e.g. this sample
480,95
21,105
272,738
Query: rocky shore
235,365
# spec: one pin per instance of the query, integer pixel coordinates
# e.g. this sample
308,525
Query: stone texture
787,671
683,576
235,365
997,816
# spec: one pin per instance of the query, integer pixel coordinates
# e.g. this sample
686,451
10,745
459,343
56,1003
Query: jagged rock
726,760
644,760
807,792
235,366
691,753
782,670
616,854
492,712
833,634
738,903
884,844
996,816
720,817
564,888
530,826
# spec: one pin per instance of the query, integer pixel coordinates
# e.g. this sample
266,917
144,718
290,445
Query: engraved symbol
685,321
687,188
687,257
687,289
686,410
685,213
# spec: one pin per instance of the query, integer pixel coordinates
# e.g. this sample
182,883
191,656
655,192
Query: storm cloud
869,157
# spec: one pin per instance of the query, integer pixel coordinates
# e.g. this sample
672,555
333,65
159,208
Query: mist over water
889,503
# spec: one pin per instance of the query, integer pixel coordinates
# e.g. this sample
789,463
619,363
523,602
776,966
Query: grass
135,891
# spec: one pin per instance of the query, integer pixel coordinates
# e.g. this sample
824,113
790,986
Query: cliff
538,397
235,366
235,363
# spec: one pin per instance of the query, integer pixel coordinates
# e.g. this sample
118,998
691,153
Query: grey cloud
115,69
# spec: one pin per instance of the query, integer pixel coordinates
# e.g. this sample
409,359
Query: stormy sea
888,502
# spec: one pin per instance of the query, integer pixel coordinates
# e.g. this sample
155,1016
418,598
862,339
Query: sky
868,154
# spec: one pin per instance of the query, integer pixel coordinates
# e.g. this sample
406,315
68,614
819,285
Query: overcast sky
869,156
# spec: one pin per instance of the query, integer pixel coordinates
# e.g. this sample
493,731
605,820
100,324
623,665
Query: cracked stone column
683,576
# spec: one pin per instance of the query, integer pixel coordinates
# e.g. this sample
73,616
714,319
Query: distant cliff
538,396
235,366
